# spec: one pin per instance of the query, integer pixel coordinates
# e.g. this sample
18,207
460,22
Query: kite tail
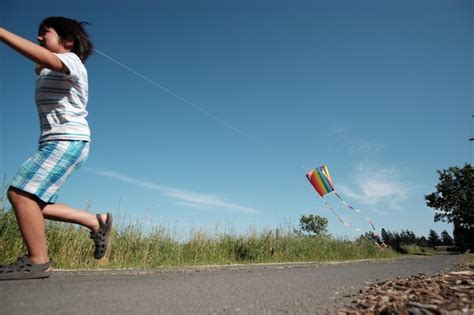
371,223
356,210
378,239
340,218
345,203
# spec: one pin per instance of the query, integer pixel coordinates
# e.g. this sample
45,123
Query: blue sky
380,91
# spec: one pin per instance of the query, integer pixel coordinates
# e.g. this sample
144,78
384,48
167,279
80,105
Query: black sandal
23,268
101,237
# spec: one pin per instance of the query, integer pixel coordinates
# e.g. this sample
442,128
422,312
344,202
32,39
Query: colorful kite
321,180
322,183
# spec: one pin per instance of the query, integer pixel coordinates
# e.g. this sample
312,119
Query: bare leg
30,214
31,223
65,213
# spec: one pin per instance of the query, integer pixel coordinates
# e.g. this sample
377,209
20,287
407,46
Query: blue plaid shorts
46,171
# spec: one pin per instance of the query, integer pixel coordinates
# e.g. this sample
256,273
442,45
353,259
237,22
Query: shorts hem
51,200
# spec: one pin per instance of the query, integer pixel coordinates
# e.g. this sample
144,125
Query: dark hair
69,29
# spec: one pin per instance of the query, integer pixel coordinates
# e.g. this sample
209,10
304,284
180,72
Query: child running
61,96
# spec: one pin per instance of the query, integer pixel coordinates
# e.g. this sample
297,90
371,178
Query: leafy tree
397,240
454,203
314,225
408,237
433,238
454,196
446,239
392,239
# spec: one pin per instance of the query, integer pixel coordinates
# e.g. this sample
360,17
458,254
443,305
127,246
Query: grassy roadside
417,250
71,248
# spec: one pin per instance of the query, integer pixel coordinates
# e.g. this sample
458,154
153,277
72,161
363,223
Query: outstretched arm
32,51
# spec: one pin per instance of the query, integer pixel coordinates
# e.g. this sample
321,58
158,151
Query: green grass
417,250
133,246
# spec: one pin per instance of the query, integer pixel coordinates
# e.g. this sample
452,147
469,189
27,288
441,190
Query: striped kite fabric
321,180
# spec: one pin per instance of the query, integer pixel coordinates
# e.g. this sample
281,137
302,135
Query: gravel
444,293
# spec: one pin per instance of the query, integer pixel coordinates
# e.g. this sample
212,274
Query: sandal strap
99,218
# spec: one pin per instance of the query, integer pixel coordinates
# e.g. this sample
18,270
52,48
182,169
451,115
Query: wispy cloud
180,196
377,185
364,146
354,144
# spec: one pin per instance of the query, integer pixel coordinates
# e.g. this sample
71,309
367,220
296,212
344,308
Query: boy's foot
23,268
101,236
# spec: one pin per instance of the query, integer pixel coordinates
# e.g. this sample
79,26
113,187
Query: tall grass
133,246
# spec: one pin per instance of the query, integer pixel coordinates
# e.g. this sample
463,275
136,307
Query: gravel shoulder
442,293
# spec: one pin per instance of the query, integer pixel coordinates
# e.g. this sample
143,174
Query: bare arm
32,51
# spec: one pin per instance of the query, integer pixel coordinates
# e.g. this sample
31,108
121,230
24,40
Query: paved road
311,288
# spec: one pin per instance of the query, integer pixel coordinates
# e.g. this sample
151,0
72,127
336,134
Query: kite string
202,110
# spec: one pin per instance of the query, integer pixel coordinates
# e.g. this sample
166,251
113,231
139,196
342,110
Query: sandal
23,268
101,237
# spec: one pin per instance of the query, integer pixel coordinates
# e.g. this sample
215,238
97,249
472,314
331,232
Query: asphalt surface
309,288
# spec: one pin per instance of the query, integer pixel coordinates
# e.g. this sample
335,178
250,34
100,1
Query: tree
446,239
392,239
454,203
453,199
408,237
433,238
314,225
463,238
